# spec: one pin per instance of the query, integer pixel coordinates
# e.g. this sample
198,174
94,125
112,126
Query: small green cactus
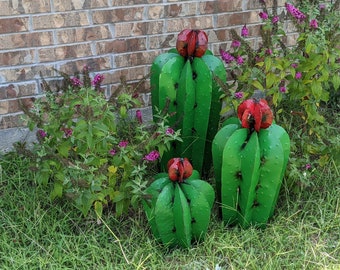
178,210
250,158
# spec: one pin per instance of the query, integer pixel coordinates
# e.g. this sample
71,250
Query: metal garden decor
250,155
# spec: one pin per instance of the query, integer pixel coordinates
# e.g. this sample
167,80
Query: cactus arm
217,69
217,147
199,210
164,215
270,176
150,199
182,218
250,165
203,85
205,188
156,69
231,175
282,135
185,110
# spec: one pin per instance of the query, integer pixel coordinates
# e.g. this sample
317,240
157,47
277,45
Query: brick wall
112,37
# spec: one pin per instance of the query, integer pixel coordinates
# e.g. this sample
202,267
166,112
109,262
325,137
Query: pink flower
238,95
298,75
322,6
112,152
235,44
42,133
294,65
75,81
139,116
313,23
169,131
263,15
269,52
68,132
226,57
308,166
275,19
123,144
97,80
244,31
283,89
239,60
296,13
152,156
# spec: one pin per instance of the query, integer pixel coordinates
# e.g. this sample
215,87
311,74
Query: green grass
39,234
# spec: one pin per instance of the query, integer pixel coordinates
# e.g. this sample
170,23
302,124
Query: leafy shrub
93,150
305,75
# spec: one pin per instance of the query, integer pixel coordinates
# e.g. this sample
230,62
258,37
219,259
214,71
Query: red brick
210,7
138,28
64,52
13,25
17,58
227,20
162,41
134,59
60,20
83,34
121,45
12,121
35,39
14,74
134,2
94,65
201,22
118,15
62,5
12,7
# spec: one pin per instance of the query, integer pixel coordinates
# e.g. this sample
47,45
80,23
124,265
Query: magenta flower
244,31
263,15
322,6
169,131
238,95
235,44
97,80
152,156
294,65
42,133
308,166
139,116
296,13
275,19
226,57
123,144
239,60
75,81
283,89
298,75
112,152
68,132
313,24
269,52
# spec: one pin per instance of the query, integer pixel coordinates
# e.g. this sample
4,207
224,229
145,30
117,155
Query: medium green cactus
179,211
182,82
250,158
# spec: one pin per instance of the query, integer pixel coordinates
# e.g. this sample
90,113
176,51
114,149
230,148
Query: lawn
40,234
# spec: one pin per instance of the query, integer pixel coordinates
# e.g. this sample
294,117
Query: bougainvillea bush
298,79
91,149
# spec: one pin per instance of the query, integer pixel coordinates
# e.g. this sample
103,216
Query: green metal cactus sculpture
182,81
250,156
178,205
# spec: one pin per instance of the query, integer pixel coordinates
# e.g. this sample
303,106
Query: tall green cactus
182,81
179,211
250,158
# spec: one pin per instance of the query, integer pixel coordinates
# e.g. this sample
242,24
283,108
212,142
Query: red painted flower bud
179,169
192,43
255,114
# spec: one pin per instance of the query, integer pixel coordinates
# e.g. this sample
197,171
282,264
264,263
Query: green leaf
57,191
270,80
98,208
257,85
316,89
64,148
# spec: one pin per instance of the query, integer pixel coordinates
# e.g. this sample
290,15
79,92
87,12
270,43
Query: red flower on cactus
192,43
179,169
255,114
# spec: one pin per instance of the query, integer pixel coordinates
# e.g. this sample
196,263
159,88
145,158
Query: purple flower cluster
313,24
244,31
263,15
295,12
152,156
97,80
169,131
139,116
123,144
226,57
238,95
76,81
